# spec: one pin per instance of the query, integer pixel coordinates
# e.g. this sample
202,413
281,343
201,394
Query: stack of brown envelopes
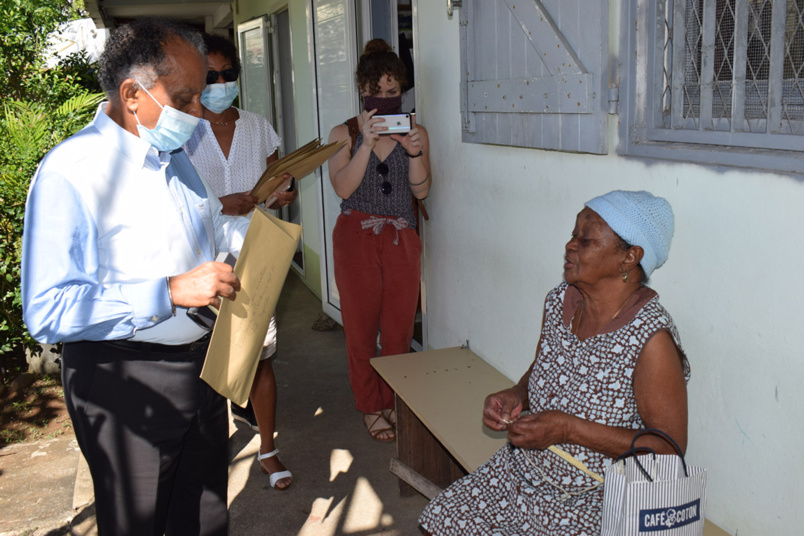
298,164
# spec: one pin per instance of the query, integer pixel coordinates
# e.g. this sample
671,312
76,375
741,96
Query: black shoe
245,415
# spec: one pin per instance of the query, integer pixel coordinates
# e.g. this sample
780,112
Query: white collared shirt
106,221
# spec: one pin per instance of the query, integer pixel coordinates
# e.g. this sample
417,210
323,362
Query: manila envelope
240,329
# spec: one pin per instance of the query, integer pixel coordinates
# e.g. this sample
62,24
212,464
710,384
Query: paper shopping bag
653,494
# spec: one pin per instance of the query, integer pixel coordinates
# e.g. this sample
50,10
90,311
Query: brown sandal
373,425
390,416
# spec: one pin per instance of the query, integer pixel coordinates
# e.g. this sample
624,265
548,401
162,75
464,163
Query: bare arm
413,142
347,172
272,158
661,396
238,204
242,203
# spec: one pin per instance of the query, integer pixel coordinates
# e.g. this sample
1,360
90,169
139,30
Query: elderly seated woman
609,363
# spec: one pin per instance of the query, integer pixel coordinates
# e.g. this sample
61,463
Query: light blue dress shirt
108,217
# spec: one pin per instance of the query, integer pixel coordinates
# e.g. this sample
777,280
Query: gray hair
137,50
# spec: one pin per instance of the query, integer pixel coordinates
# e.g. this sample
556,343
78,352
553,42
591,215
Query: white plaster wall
500,217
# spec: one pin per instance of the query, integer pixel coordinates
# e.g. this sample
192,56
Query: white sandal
273,478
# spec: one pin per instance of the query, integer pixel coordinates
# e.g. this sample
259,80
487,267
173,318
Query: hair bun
377,45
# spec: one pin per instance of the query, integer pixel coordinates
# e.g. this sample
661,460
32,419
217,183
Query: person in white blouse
231,148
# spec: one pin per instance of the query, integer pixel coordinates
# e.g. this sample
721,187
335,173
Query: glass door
334,32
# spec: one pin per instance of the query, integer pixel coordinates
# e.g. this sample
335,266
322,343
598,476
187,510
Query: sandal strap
373,427
273,478
267,454
376,417
391,418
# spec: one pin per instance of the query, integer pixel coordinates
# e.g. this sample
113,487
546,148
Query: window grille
741,68
716,81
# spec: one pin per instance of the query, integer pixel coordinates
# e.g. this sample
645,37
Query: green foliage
28,130
24,29
40,108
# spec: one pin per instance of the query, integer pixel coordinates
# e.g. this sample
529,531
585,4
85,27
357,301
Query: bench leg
414,479
420,451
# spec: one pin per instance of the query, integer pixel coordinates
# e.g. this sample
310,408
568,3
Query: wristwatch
421,152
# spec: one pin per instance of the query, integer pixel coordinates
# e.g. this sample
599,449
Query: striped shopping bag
653,494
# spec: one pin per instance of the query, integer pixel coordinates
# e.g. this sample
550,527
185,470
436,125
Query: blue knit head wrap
641,219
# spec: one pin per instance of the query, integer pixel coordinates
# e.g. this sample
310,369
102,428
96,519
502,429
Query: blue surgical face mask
172,130
219,97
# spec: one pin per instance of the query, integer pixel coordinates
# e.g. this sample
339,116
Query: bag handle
634,451
653,431
354,130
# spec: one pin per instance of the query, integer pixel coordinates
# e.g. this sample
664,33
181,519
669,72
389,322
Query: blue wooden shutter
535,73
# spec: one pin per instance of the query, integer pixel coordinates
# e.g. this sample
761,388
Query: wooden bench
440,433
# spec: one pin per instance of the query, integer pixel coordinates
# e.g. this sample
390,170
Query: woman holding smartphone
376,247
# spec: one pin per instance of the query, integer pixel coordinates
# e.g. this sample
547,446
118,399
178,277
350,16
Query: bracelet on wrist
170,296
421,152
427,178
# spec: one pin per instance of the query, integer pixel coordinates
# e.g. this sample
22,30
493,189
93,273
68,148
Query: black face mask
384,105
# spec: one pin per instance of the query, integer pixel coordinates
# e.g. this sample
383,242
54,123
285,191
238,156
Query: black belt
156,348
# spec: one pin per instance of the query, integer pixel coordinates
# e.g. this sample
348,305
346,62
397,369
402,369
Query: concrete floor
341,481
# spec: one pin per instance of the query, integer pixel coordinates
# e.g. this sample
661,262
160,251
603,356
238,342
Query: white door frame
365,17
335,100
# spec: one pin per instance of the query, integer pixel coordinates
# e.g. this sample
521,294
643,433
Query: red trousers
378,287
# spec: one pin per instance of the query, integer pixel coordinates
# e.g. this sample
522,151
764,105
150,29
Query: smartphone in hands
396,123
205,317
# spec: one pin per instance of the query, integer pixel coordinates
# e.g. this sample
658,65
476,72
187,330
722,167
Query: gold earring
625,277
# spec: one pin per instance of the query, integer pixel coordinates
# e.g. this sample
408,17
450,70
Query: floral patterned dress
534,492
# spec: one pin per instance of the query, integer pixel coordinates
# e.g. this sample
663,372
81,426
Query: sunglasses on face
229,75
382,171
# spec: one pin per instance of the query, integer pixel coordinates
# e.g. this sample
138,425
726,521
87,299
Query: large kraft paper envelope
239,332
300,163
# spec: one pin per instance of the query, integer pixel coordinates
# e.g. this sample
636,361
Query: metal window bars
732,65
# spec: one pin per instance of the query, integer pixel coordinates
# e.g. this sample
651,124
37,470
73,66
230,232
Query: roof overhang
209,15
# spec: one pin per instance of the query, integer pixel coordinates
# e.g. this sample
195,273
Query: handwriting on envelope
240,329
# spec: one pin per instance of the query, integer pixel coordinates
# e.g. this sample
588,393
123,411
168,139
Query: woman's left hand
539,430
412,141
284,199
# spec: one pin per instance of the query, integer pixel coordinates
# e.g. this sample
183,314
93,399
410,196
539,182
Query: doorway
391,20
266,83
340,30
283,82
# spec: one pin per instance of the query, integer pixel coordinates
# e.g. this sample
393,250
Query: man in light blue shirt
120,237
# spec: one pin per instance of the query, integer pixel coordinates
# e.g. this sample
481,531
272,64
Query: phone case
396,123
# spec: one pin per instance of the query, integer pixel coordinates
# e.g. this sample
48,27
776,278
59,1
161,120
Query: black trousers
155,437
